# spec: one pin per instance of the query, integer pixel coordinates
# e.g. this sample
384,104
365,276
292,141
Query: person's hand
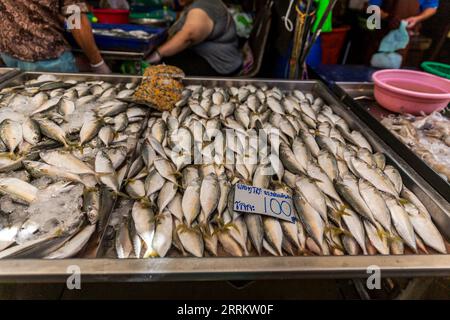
394,23
154,58
412,22
101,68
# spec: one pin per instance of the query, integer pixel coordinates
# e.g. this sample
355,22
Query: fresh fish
378,241
52,130
106,135
74,245
135,189
311,193
328,164
11,134
349,190
144,222
162,240
380,160
411,197
175,207
47,105
91,204
273,233
376,203
230,245
153,183
310,142
165,169
124,245
322,181
255,230
374,176
395,177
90,129
39,169
402,223
311,219
104,167
31,132
425,228
191,240
166,195
18,189
289,160
66,106
191,202
224,187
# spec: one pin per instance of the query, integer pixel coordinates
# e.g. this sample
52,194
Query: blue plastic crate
109,43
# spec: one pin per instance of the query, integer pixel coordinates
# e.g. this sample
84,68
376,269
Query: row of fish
66,147
347,199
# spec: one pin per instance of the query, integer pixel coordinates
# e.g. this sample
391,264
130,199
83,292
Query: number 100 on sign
262,201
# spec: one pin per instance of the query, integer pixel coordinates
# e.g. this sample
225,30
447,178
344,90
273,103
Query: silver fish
311,193
376,203
191,202
347,187
162,239
374,176
273,233
425,228
11,134
191,240
19,189
144,222
153,182
175,207
52,130
395,177
255,230
90,129
124,245
328,164
74,245
166,195
379,242
31,132
402,223
311,219
39,169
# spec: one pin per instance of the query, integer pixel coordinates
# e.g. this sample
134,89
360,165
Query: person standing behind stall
392,13
203,41
32,36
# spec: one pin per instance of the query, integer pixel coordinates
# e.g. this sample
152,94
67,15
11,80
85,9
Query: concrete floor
258,290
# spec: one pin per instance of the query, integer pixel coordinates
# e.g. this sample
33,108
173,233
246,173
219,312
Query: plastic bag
390,60
396,39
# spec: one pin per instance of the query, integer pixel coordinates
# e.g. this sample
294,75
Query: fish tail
150,253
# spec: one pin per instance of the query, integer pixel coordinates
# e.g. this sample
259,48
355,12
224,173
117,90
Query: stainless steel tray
171,269
359,96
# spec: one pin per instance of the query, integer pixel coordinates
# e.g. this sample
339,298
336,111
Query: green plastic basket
436,68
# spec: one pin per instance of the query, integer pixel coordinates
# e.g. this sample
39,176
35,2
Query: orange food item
161,86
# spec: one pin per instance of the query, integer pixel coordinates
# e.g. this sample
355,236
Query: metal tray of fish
7,73
106,268
69,145
360,97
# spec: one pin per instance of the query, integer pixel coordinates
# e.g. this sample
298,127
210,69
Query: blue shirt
424,4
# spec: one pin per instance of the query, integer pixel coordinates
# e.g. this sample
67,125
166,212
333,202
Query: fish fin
150,253
122,195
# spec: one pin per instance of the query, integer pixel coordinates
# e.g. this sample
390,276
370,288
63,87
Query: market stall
306,112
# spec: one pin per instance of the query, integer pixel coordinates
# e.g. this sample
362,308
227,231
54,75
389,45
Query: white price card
255,200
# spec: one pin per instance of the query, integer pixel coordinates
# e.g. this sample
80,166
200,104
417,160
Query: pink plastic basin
413,92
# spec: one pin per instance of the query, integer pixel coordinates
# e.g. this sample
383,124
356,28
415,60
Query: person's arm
196,29
424,15
85,39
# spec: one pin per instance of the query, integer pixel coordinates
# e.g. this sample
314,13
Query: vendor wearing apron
392,13
203,42
32,36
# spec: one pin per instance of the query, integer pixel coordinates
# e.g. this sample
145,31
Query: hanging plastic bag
396,39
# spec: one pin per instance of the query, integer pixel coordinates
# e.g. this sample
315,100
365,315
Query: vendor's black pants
191,63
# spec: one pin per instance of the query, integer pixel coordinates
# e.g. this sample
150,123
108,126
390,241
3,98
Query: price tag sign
255,200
